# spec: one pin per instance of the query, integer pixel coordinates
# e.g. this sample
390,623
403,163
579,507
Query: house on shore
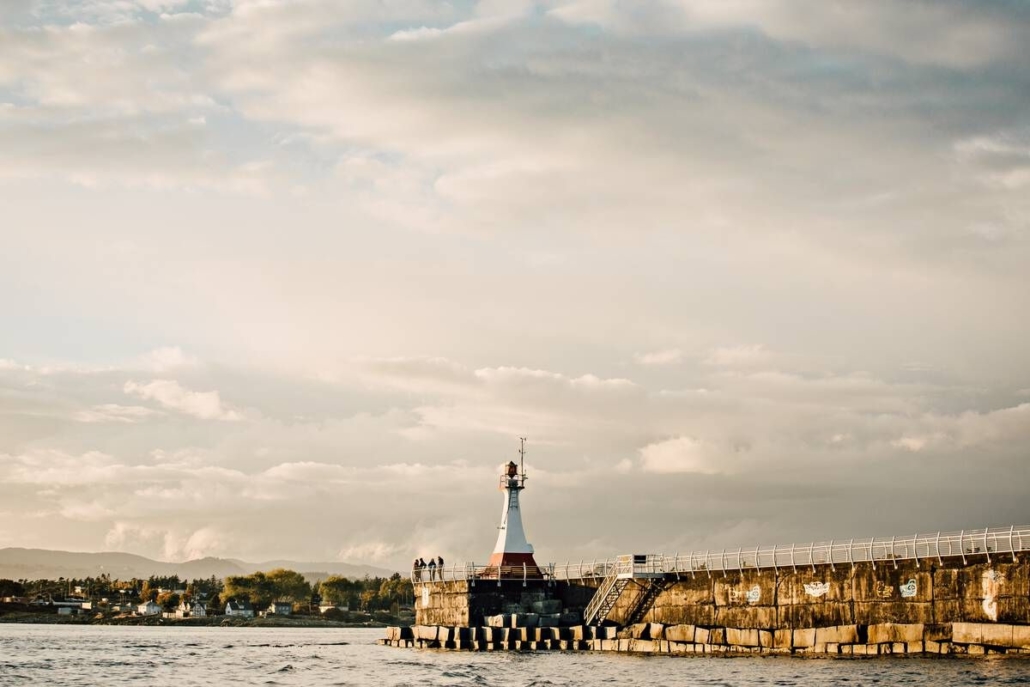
279,608
239,608
148,608
190,609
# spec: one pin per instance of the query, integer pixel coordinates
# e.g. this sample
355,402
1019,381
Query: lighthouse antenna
522,458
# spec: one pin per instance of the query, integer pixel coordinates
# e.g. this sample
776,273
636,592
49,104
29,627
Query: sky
288,279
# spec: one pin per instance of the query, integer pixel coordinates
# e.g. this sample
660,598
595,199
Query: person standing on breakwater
432,569
416,574
439,567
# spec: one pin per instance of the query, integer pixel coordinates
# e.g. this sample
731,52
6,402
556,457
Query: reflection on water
108,655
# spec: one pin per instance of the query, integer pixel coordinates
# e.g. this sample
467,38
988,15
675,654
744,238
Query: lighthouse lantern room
513,555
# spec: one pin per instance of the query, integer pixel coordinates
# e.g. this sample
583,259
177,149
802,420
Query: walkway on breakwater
998,542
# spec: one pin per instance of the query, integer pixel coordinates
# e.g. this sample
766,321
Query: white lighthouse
513,555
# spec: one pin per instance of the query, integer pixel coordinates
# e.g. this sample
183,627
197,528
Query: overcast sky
288,279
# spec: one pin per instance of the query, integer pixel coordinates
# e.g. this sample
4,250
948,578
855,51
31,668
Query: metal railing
987,542
470,572
991,543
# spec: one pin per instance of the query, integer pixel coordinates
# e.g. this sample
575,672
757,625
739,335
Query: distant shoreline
151,621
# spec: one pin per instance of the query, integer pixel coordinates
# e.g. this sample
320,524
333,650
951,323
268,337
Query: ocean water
111,655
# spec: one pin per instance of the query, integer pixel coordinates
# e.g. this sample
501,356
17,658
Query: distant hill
17,563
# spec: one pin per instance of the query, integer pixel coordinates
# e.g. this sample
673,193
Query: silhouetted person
439,566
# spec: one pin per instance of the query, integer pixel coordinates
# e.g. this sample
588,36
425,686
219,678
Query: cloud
206,405
668,356
681,454
739,356
112,412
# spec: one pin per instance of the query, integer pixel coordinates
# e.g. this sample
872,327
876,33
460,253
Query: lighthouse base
512,566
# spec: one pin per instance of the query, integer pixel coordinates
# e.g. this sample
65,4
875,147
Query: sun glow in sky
288,279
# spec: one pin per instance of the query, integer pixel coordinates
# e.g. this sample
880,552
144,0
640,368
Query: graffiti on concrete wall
909,589
990,586
883,591
817,589
751,596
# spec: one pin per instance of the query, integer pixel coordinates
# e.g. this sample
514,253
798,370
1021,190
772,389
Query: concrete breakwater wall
973,606
906,592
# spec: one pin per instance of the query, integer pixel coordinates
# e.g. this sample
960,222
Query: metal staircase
644,601
605,597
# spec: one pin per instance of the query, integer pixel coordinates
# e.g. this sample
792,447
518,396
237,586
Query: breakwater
974,602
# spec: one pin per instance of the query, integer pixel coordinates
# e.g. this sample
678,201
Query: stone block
640,631
966,633
976,650
782,639
547,606
656,631
996,635
897,647
840,634
913,647
717,635
938,632
496,620
678,647
553,620
884,633
701,635
765,639
1021,636
608,632
742,637
679,633
524,620
443,634
803,637
833,648
610,644
426,632
642,646
576,633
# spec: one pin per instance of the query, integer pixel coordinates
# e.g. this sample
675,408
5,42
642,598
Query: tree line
368,594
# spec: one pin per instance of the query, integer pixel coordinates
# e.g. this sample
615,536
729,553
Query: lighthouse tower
513,554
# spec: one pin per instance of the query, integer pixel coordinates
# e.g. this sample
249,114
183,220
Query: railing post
832,568
962,545
872,555
1012,547
739,568
723,562
937,546
893,555
811,555
708,563
792,563
775,567
523,573
987,548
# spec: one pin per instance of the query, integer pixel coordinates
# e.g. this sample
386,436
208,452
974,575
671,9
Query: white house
148,608
279,608
190,609
240,609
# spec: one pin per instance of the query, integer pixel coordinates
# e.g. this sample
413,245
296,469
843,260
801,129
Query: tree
337,590
288,585
11,588
168,601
